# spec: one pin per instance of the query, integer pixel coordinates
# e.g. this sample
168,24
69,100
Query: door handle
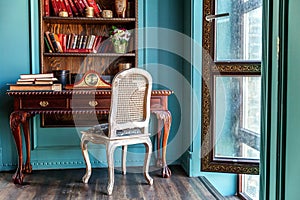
212,17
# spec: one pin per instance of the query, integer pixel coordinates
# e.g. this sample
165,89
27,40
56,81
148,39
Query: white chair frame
112,140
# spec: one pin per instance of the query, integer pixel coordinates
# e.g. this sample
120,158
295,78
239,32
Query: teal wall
170,50
15,60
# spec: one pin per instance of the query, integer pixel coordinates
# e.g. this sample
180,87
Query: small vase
121,6
121,48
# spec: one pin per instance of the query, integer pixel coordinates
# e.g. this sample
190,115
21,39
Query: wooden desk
29,103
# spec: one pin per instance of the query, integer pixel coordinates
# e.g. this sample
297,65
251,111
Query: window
231,89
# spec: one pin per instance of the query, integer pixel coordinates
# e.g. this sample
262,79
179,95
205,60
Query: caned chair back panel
130,101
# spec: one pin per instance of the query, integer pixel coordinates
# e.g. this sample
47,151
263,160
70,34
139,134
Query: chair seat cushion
128,132
101,129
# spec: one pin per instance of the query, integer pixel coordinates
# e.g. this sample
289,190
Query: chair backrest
130,103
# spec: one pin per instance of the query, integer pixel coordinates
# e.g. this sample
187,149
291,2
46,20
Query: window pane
239,36
237,117
251,186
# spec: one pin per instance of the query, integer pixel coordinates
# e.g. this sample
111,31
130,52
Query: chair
127,124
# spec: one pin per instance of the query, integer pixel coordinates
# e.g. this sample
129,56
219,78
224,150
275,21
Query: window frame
210,69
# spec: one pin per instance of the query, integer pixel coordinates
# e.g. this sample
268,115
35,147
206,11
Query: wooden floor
66,184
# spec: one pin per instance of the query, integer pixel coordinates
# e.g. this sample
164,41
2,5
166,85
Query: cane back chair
127,124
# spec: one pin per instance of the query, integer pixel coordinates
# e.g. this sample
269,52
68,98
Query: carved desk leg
16,119
165,117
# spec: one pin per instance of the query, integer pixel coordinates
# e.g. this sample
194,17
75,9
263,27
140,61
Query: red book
97,44
73,7
82,5
68,7
85,3
46,8
58,5
62,39
63,6
93,4
78,6
64,43
54,6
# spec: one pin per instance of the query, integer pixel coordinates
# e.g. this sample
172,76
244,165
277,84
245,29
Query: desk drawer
43,104
90,103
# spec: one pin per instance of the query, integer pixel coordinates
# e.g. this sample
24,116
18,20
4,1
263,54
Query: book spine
68,7
54,7
74,41
83,46
47,44
63,6
85,3
80,9
79,44
58,39
47,34
69,37
73,7
46,8
91,42
58,5
81,4
53,41
93,4
98,44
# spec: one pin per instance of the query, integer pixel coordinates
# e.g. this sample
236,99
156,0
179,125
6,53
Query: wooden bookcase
105,63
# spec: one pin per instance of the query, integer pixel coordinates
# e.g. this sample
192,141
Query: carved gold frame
209,70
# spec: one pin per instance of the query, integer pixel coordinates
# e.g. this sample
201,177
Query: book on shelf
35,76
33,87
78,6
73,7
63,6
54,7
68,7
46,8
49,41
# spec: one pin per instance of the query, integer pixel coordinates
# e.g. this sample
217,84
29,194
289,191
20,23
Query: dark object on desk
63,76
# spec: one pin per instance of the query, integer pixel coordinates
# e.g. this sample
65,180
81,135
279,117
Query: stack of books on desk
36,82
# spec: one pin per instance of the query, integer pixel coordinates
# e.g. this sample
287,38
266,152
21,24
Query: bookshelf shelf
86,20
89,54
72,43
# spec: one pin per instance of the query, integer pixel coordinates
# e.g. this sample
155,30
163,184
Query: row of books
72,7
74,43
34,82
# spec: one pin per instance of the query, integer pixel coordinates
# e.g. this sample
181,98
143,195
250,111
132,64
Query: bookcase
103,60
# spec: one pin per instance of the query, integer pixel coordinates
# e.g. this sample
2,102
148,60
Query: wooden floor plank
67,184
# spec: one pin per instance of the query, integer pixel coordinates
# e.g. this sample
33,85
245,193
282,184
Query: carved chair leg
148,146
110,149
166,172
85,154
124,155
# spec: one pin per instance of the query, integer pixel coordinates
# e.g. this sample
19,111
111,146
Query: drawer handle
93,103
44,103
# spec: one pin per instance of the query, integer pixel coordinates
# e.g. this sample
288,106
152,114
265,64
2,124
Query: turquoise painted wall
15,60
